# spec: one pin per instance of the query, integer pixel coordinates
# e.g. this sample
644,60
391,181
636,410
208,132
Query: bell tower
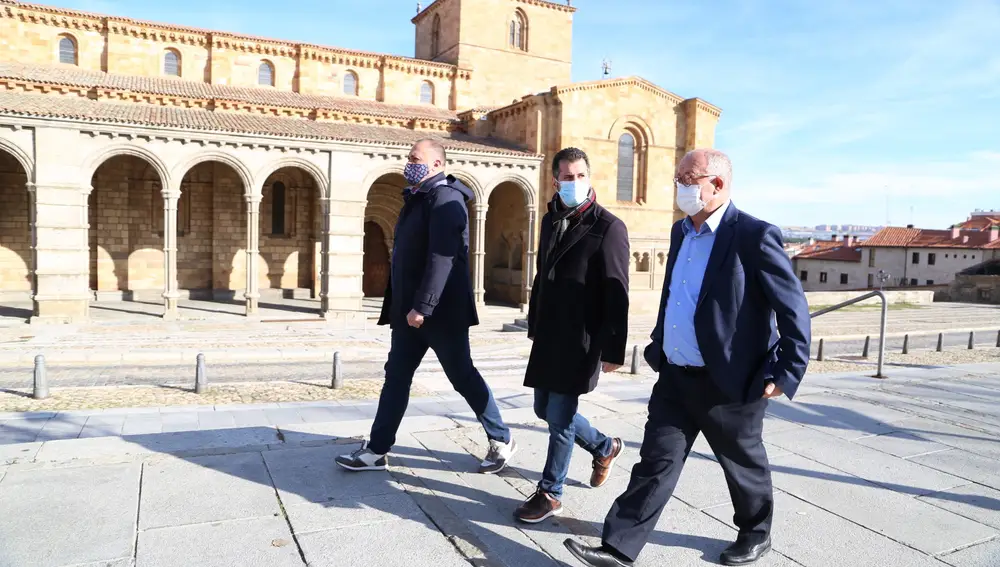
513,47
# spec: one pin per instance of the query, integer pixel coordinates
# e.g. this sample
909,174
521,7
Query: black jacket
578,311
430,258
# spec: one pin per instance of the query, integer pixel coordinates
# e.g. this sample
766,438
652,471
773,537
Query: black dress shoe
594,556
745,551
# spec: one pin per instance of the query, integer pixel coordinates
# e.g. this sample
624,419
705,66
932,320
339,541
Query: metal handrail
881,331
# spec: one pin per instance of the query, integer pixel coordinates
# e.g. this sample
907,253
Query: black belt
692,370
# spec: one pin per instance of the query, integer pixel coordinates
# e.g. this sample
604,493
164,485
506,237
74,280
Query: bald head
713,172
427,152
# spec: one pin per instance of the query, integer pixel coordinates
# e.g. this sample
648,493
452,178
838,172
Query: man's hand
771,390
414,319
608,367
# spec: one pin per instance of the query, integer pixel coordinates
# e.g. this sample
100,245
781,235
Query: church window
265,74
426,93
172,63
519,31
67,50
350,83
626,167
436,36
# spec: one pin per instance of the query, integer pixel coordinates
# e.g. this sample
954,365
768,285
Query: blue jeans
565,427
408,348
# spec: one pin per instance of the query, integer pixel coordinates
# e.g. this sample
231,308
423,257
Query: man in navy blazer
733,331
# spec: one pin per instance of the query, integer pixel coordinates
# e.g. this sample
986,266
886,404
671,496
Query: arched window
172,63
519,31
265,74
350,83
67,50
626,167
278,208
426,93
436,36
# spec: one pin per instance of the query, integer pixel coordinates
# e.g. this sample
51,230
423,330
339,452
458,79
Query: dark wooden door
376,261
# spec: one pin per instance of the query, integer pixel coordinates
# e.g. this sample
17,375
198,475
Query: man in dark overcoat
578,324
429,304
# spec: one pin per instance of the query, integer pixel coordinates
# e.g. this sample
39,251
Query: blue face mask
415,172
573,193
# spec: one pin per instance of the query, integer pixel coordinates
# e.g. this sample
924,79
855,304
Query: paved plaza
897,472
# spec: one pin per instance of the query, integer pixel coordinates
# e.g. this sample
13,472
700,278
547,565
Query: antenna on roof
606,67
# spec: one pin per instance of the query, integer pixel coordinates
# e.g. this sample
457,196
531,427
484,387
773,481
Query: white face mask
689,199
574,192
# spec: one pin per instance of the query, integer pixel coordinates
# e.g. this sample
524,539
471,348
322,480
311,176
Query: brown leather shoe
540,506
602,466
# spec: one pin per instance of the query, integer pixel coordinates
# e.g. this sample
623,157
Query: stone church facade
153,162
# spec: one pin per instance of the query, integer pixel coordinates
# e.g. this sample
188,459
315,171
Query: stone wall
15,227
106,43
287,258
506,247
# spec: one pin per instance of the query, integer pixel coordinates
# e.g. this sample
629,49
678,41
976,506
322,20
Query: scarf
563,217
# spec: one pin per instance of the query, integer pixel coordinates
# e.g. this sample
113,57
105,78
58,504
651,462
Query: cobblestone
64,399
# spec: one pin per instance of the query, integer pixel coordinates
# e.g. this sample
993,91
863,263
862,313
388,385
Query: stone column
479,253
342,262
62,253
532,245
252,293
171,294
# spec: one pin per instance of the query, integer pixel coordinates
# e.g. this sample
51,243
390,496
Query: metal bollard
906,344
998,339
819,351
41,383
972,340
200,379
635,360
940,345
337,381
864,350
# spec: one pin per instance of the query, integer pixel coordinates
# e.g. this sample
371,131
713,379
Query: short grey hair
719,165
436,146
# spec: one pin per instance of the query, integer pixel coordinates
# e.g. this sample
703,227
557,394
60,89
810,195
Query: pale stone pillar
252,293
479,253
62,253
529,264
171,294
342,262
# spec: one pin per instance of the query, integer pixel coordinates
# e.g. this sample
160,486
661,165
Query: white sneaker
497,457
363,460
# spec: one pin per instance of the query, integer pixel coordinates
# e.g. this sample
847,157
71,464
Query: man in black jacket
578,322
429,303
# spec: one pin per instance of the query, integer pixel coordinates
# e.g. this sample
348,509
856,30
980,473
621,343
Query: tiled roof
65,75
980,223
77,108
898,237
835,251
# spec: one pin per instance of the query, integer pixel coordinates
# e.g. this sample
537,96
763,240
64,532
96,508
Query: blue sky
831,109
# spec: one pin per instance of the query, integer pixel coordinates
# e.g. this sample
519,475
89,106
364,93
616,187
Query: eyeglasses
691,179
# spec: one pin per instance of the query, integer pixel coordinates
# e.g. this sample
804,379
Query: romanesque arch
212,228
290,229
385,200
506,244
125,239
16,264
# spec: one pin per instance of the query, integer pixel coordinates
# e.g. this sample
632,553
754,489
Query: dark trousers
566,426
451,346
682,404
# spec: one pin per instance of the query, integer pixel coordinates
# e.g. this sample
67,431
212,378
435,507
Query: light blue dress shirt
680,344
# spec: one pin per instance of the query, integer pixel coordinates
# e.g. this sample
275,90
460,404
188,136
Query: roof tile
77,108
832,250
173,86
898,237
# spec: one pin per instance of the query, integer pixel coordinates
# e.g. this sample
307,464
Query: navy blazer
752,319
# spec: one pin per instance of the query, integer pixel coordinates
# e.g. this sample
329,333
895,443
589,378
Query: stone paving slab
858,482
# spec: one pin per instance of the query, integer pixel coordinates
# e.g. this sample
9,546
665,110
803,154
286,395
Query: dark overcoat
430,258
578,310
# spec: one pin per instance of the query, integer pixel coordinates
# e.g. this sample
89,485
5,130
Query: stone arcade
152,162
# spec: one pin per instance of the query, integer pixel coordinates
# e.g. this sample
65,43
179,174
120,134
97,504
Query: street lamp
882,276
